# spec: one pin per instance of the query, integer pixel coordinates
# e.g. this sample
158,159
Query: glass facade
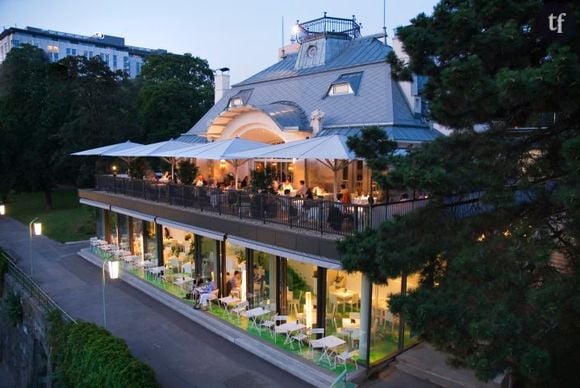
207,266
345,304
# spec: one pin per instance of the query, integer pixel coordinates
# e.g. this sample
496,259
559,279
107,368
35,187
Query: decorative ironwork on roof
327,25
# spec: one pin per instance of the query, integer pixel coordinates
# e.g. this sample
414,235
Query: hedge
86,355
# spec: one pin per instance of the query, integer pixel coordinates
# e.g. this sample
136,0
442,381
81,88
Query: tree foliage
500,289
176,91
50,110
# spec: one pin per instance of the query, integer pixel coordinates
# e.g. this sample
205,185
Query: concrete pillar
365,318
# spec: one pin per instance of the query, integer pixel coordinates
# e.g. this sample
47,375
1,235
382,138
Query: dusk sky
242,35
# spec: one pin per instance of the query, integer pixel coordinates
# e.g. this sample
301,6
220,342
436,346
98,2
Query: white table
343,296
254,314
288,328
181,281
156,270
227,300
328,344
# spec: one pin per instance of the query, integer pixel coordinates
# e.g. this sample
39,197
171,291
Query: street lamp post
34,229
113,274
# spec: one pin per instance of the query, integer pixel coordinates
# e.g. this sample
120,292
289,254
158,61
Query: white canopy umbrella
221,150
165,149
100,151
162,148
331,151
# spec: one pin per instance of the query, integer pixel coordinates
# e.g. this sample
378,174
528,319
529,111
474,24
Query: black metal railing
309,214
34,290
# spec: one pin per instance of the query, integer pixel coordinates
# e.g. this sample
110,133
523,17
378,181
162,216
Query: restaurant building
329,81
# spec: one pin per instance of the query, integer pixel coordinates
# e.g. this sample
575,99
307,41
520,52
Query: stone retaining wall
24,348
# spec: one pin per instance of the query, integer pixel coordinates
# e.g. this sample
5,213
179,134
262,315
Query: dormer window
345,84
339,89
241,98
235,102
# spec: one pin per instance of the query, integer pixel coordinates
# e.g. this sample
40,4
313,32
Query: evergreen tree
500,288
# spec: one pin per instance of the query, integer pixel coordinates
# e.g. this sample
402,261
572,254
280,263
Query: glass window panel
384,325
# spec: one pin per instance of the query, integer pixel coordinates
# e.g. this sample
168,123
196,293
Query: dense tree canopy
50,110
500,289
176,91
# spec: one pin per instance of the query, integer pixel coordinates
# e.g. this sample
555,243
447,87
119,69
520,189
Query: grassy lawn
67,221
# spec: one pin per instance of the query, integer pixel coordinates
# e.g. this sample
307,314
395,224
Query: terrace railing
317,215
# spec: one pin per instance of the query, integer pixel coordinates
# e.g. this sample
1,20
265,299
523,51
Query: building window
138,68
340,89
346,84
235,101
114,62
86,53
73,51
90,54
68,51
52,48
15,43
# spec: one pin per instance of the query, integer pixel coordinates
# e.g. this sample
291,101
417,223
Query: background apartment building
57,45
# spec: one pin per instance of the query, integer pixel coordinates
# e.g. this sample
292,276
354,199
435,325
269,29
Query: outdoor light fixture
37,228
114,168
34,229
308,308
2,209
113,267
222,164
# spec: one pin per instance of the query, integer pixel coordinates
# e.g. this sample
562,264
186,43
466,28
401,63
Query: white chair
174,264
298,337
278,320
353,301
269,324
314,333
294,304
344,357
240,308
186,268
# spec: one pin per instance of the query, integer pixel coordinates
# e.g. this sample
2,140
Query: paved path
182,353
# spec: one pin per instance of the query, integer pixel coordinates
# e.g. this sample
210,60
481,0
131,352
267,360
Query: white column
365,317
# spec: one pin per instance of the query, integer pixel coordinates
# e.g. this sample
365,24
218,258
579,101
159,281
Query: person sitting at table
245,182
301,192
318,190
308,200
233,284
287,185
199,182
205,293
346,197
165,177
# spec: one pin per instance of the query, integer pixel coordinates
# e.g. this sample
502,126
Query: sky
242,35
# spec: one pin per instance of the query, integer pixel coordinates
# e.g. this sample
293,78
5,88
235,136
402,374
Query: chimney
222,83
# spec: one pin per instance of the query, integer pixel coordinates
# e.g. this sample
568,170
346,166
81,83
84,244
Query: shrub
86,355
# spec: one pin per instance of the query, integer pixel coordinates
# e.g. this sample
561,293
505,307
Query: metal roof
359,52
289,96
397,133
